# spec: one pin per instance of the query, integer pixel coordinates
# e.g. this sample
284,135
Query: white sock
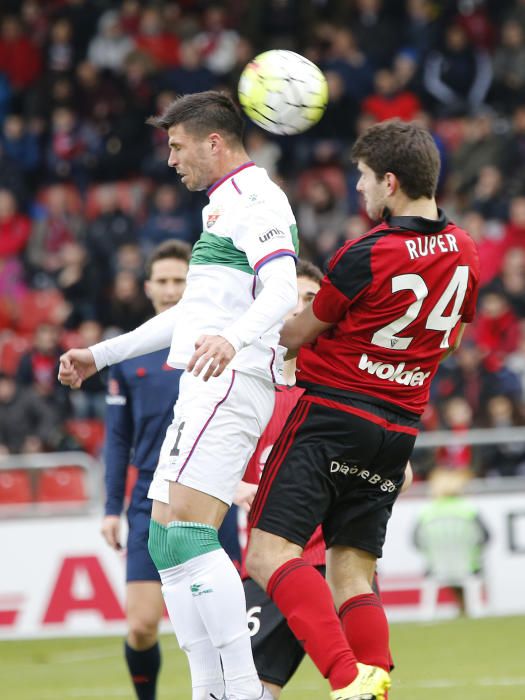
203,657
219,595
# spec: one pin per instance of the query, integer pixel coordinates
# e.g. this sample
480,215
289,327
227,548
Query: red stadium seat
15,487
12,347
61,484
89,432
41,306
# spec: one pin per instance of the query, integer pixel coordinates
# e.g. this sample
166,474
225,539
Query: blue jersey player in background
140,400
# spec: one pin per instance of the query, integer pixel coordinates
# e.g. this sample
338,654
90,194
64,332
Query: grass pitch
457,660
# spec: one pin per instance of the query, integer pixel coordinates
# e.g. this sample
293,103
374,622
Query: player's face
167,283
374,193
191,157
307,289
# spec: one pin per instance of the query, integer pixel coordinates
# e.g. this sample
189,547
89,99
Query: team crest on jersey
212,217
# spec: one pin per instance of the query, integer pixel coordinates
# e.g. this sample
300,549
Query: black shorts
339,462
276,651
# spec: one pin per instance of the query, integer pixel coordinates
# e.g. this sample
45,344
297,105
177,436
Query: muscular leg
349,572
275,564
144,608
201,571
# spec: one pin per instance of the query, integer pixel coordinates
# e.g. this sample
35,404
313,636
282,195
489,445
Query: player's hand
244,495
212,351
111,531
75,367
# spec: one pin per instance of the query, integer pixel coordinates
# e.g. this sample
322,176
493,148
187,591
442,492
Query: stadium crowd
85,192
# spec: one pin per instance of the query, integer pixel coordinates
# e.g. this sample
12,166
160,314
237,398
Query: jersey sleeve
119,440
264,231
349,274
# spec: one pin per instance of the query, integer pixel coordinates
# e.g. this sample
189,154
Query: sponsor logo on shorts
393,373
197,589
271,234
386,485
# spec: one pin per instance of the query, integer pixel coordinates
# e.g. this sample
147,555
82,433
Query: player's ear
392,183
215,141
147,289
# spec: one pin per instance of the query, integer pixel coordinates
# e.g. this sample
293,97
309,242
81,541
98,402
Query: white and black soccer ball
283,92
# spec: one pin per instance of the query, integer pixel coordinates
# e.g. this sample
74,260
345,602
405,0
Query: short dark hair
168,249
305,268
201,113
406,149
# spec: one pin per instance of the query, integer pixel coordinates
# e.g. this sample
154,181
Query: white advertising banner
59,578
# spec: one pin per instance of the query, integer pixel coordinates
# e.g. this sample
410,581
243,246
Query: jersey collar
418,223
218,183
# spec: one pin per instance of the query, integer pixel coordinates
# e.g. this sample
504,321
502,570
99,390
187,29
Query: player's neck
427,208
231,161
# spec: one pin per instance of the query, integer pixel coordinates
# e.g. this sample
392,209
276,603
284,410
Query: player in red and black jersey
393,304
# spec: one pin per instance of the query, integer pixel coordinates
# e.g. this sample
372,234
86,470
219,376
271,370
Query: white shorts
214,432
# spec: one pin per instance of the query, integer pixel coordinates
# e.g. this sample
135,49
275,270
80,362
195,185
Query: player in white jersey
224,333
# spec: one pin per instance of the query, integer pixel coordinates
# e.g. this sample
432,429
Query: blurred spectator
451,537
19,144
110,46
375,31
344,57
35,20
60,52
26,422
58,225
153,39
457,416
503,458
320,218
190,75
167,218
154,163
457,75
489,197
98,94
388,100
420,27
488,237
515,228
216,43
496,329
20,59
509,66
474,18
514,152
90,401
5,97
481,145
339,119
127,306
511,280
38,369
71,149
80,282
15,227
110,229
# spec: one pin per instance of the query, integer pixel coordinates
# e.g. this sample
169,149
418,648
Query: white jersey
247,222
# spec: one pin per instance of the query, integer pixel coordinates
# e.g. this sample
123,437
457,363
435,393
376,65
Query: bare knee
267,553
142,631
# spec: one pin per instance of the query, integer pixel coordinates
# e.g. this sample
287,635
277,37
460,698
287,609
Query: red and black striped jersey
396,297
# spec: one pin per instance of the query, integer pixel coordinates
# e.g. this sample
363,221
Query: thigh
367,488
144,603
214,433
276,651
139,566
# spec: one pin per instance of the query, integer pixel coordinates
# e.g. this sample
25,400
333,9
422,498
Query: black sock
144,668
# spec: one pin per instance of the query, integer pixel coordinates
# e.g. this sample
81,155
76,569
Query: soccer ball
283,92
